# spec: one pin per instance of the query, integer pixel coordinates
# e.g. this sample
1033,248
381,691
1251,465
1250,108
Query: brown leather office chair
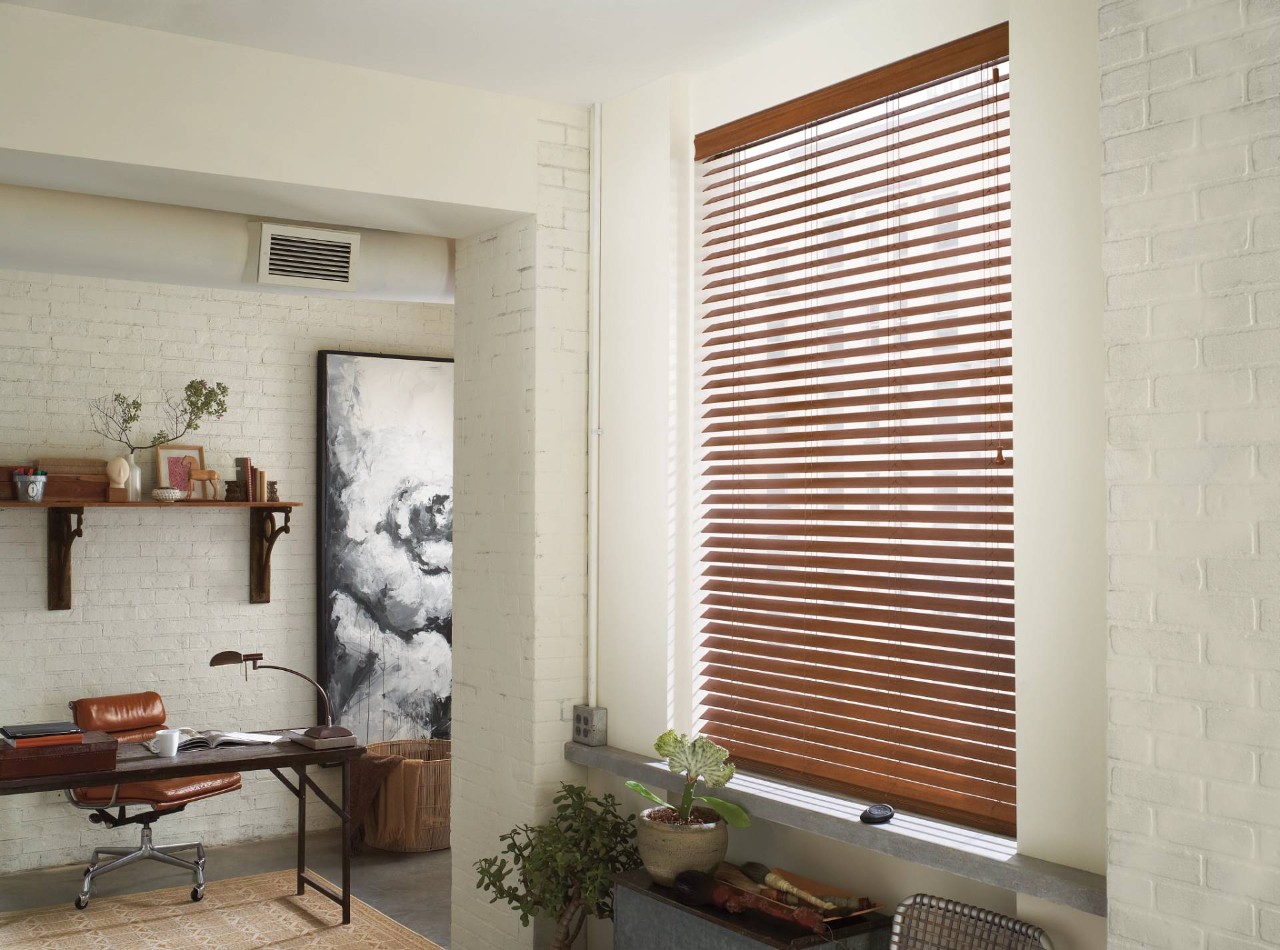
137,717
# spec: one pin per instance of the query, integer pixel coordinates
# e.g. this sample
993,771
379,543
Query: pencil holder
29,488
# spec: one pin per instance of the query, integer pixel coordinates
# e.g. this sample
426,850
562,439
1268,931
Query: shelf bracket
263,534
61,537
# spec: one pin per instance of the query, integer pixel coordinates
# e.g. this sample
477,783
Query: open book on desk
215,739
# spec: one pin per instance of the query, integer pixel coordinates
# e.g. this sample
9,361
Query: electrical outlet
590,725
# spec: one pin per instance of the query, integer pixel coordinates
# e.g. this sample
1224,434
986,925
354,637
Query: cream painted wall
83,88
62,232
647,445
1060,431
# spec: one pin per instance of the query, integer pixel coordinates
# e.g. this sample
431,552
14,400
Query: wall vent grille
308,257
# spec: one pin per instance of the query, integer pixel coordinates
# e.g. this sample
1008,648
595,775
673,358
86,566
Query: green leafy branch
113,417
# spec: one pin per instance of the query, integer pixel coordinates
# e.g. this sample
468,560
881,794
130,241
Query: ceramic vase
668,849
134,482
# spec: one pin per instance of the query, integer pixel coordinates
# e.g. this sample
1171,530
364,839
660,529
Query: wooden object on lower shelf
97,753
59,488
648,917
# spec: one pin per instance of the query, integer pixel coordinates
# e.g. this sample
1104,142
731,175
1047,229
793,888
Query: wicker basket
412,811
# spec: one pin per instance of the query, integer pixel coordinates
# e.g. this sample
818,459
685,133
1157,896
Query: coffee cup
166,742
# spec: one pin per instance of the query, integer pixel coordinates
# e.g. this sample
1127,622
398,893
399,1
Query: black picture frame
328,651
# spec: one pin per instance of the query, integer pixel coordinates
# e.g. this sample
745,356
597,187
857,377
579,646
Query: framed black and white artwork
385,543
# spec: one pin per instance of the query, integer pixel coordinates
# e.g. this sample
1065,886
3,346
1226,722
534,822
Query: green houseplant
693,834
563,869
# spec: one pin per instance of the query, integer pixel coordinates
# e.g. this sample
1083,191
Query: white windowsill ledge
976,855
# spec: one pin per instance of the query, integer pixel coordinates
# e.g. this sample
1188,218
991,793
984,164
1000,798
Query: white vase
134,482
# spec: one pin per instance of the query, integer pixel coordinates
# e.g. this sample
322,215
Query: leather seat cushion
127,713
163,793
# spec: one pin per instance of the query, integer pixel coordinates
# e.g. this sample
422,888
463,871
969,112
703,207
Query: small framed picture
174,464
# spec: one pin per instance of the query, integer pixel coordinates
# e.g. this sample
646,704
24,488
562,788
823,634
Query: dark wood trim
76,505
135,764
263,534
61,536
957,56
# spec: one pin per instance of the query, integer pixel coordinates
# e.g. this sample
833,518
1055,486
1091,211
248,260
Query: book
39,730
32,742
193,739
244,475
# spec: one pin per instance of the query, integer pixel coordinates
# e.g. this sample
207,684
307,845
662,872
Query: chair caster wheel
197,894
82,903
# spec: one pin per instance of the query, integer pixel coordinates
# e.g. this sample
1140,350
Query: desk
135,764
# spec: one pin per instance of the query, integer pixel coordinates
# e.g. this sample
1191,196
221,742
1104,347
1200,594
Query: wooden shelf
194,503
263,534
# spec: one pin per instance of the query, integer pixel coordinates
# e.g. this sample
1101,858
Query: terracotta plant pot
668,849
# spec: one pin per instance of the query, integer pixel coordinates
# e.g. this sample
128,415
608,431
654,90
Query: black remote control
876,814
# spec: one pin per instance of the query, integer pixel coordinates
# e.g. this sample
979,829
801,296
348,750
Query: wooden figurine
207,477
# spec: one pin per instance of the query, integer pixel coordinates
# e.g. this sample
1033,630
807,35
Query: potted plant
693,835
564,869
114,416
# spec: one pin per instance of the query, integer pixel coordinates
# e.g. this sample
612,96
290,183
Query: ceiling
575,51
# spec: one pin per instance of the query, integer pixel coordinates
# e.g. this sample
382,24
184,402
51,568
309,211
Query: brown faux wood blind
856,589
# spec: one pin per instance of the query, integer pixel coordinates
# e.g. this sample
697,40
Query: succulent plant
698,760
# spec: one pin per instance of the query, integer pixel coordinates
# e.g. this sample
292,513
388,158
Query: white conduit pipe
593,416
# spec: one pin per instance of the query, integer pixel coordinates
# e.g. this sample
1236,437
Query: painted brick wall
1190,119
156,593
520,517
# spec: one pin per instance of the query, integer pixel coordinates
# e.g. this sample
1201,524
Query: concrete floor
410,888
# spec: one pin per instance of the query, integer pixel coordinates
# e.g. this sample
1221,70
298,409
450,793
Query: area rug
239,914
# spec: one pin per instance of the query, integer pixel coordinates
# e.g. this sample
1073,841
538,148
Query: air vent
308,257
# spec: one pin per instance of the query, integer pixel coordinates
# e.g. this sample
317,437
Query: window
856,532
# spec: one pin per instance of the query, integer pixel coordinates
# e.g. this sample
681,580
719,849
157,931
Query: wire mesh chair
922,922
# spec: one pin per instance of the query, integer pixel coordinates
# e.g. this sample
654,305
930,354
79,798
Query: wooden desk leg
302,827
346,841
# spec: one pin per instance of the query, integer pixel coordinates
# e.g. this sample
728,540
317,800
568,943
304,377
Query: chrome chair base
146,851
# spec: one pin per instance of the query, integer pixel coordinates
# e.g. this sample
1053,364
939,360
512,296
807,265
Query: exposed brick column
1191,129
519,600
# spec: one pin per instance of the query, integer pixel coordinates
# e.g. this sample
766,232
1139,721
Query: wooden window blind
856,591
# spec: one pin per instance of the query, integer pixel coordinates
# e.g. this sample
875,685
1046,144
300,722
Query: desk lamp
327,736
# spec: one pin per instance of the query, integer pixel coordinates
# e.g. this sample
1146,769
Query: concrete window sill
976,855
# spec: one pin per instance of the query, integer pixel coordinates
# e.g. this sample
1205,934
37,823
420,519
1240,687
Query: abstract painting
385,551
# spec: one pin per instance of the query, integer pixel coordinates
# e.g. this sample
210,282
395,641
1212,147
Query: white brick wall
520,516
1190,119
156,593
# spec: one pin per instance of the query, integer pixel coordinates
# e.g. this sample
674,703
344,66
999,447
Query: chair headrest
123,713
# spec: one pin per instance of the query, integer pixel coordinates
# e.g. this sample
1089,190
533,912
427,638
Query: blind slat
721,575
871,678
832,732
987,606
886,713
